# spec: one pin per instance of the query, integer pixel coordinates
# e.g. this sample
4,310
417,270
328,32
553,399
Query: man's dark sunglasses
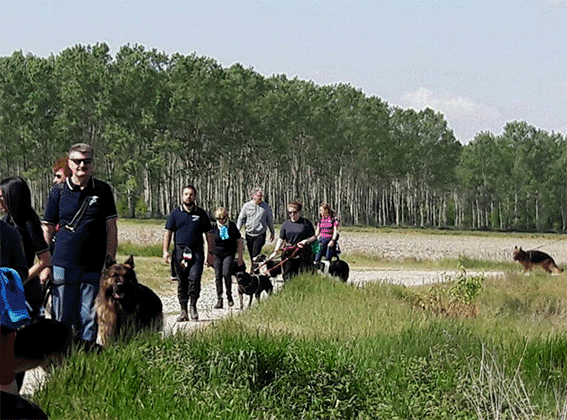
86,161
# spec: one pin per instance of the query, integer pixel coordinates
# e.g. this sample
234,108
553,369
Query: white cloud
463,114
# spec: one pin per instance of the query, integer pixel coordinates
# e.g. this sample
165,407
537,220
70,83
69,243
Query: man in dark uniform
188,224
84,208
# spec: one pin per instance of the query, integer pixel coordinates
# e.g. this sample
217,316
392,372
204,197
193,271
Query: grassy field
319,349
478,348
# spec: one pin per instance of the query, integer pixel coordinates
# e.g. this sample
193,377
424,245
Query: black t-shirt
83,248
32,237
294,232
224,247
189,227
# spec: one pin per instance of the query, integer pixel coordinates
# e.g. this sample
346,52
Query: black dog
335,268
252,285
261,265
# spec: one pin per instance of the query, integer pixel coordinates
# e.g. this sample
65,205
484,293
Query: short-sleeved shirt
189,227
224,247
12,250
83,248
327,227
32,237
294,232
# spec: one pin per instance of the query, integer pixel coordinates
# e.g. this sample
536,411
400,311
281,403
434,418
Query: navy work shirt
189,227
84,248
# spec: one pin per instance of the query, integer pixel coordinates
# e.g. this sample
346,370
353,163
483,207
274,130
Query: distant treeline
158,122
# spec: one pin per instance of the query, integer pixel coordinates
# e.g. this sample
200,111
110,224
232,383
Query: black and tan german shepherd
533,258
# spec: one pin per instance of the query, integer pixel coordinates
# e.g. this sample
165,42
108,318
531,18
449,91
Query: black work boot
219,304
193,309
183,317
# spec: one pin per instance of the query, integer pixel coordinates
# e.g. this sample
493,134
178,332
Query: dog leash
270,259
296,250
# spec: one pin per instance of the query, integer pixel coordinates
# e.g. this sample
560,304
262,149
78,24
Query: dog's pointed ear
109,261
130,261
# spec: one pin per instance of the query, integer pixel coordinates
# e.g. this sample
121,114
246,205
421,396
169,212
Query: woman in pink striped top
327,233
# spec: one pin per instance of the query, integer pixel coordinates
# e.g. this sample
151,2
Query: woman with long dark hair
15,200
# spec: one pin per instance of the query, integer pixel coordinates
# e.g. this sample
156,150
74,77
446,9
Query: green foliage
297,356
159,121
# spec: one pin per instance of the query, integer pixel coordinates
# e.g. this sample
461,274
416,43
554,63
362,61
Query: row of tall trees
158,122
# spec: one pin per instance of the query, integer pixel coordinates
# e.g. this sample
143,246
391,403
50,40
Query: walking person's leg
65,298
182,291
195,274
227,276
218,267
89,286
257,244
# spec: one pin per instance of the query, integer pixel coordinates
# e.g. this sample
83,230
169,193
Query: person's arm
111,237
309,230
240,251
241,218
166,242
279,244
48,232
335,237
270,221
210,241
43,261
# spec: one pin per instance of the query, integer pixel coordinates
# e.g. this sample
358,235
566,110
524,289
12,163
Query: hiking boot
219,304
193,309
183,317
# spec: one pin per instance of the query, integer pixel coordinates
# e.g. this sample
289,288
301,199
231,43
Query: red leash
296,250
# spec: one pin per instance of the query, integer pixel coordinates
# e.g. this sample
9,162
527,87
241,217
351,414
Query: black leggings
223,266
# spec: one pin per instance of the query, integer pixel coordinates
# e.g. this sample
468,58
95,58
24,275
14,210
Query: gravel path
393,246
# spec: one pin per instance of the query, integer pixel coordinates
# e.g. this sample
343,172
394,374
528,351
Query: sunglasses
58,176
86,161
292,212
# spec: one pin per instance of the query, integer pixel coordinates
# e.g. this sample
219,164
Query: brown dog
533,258
124,306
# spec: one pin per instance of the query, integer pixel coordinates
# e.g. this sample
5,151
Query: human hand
45,276
166,257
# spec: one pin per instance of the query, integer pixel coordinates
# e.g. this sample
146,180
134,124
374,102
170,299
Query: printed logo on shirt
195,218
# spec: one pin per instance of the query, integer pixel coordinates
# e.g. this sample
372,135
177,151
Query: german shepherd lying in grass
532,258
124,306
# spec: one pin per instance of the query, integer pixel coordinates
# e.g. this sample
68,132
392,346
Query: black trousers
302,263
223,274
255,244
189,279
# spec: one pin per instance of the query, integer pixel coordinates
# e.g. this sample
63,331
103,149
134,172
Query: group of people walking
67,249
190,227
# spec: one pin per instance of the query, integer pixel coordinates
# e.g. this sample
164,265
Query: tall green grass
320,349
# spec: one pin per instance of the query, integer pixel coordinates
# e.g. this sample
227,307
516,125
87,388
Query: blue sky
481,63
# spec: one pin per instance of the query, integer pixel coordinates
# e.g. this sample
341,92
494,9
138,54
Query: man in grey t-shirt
256,216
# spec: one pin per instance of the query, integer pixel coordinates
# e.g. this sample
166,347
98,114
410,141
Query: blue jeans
325,249
73,295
